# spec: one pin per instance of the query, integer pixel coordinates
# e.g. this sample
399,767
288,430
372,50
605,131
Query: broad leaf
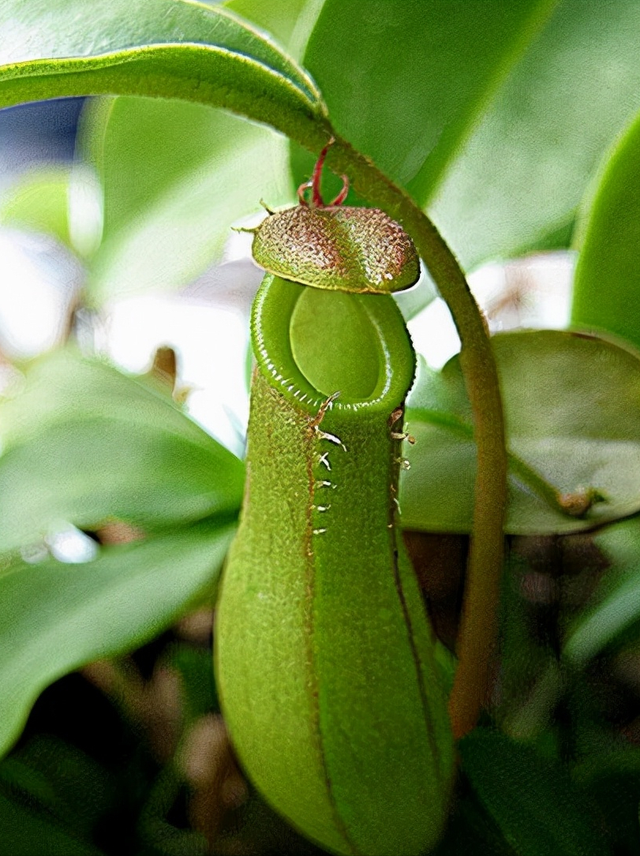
163,48
607,280
615,606
534,802
84,445
517,182
57,617
397,85
572,411
175,176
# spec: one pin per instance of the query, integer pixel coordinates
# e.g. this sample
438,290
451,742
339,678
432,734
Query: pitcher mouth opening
316,344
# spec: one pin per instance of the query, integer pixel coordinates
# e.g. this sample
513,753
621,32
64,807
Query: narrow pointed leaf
395,81
607,281
516,184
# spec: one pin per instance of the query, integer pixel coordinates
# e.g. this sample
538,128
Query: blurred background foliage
124,298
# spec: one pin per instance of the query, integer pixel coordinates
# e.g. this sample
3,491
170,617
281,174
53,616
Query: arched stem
478,631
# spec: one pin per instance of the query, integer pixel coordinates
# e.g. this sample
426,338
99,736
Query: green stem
478,628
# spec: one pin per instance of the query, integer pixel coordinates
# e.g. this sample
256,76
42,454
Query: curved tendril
314,183
301,191
343,193
316,195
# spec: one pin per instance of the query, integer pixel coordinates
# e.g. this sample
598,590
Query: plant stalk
478,630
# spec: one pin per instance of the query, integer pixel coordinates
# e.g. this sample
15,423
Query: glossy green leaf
572,410
39,201
290,22
534,802
83,444
57,617
163,48
519,179
615,605
397,87
175,177
607,280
